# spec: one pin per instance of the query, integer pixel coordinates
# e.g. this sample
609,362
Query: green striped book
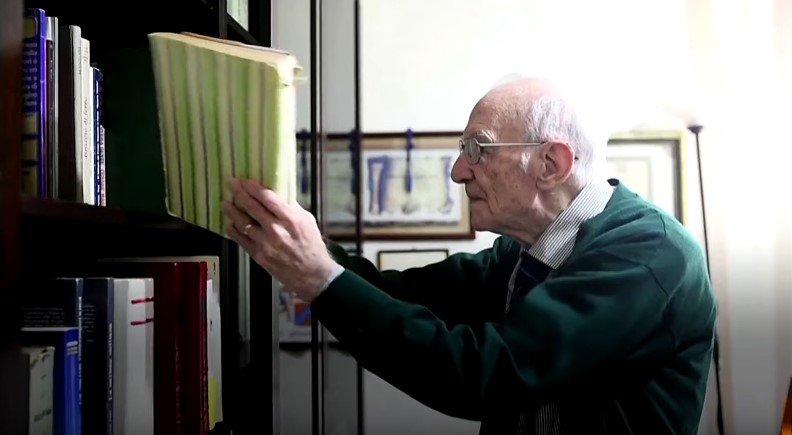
226,109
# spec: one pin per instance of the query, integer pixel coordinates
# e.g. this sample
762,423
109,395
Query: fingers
243,240
241,221
253,207
269,199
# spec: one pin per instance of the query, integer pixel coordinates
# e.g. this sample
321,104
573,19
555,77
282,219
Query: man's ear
557,159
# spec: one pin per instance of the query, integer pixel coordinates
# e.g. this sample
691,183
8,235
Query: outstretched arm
284,239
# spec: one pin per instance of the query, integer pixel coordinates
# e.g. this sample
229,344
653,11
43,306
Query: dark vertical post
696,130
317,366
261,21
10,167
220,19
358,199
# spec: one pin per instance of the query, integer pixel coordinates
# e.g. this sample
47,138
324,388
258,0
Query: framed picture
294,317
405,184
405,259
650,165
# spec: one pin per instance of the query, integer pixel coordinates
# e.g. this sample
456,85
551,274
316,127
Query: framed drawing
294,317
405,184
651,166
405,259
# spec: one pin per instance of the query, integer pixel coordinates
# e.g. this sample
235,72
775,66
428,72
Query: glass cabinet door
317,382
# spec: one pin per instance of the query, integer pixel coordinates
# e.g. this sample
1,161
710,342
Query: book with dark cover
52,107
97,333
69,119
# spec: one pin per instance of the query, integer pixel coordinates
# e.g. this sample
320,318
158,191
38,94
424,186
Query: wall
428,74
726,64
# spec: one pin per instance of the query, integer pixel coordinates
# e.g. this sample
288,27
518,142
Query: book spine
52,107
87,116
34,88
66,160
72,383
77,101
37,370
98,314
100,187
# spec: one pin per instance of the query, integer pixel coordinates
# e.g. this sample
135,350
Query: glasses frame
493,144
472,161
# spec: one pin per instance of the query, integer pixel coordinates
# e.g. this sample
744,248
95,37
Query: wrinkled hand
283,238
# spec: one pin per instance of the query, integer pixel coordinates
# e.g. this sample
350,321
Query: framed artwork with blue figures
405,185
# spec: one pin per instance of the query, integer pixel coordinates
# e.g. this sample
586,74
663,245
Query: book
225,110
34,89
69,158
66,384
52,106
133,357
98,310
36,369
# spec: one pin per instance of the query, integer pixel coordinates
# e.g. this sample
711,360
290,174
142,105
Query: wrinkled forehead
490,120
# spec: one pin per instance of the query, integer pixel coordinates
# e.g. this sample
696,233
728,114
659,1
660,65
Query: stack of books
63,146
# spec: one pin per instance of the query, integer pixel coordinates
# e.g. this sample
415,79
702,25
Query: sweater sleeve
563,331
464,288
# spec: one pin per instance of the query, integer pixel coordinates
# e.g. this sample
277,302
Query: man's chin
479,223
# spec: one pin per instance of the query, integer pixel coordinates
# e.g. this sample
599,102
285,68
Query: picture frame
650,164
406,194
401,259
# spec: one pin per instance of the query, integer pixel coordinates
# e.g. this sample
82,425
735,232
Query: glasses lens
470,147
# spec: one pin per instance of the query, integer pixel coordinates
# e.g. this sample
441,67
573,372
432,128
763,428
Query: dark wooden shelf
54,209
135,20
238,33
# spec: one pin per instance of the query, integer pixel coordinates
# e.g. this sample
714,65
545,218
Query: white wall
425,63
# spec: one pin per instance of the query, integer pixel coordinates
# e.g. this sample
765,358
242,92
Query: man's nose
461,171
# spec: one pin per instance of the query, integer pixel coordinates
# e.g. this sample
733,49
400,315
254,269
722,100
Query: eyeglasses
471,147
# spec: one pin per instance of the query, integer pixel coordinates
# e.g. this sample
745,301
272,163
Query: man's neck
548,206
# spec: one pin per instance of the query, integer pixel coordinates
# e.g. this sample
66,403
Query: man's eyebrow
481,136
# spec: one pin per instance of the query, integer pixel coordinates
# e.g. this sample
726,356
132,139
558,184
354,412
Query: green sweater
620,335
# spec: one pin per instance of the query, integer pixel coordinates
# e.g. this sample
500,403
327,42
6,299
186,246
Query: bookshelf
44,238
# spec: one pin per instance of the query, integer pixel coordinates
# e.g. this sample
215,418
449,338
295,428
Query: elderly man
592,313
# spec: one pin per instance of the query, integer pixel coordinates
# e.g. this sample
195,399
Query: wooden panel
10,167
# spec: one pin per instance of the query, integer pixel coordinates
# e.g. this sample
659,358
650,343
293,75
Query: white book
133,349
38,367
77,67
87,111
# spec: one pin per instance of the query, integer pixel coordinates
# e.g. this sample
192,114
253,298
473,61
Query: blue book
99,148
34,90
66,383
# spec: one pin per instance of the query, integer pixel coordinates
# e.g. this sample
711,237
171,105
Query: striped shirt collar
555,244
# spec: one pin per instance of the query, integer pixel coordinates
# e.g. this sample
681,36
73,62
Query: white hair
552,117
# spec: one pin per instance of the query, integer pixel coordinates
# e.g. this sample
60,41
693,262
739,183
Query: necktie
544,421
